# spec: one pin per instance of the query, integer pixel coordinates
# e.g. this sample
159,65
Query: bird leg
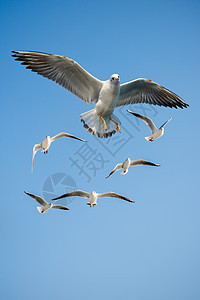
104,122
117,125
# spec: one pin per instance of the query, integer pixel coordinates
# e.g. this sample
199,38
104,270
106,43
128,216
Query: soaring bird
156,132
93,196
128,163
46,143
44,205
106,95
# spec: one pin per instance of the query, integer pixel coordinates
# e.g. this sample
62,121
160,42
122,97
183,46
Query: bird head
115,78
149,138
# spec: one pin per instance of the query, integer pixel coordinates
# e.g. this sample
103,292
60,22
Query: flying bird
45,206
44,145
93,196
156,132
106,95
128,163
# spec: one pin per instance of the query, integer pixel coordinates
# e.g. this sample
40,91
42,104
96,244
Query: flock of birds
100,121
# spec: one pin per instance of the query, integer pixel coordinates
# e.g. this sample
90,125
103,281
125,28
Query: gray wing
165,123
114,195
143,162
146,91
118,167
40,200
78,193
63,70
64,134
35,149
60,207
147,120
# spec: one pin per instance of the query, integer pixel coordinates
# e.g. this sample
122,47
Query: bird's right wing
118,167
40,200
147,120
165,123
64,134
114,195
35,149
142,162
78,193
63,70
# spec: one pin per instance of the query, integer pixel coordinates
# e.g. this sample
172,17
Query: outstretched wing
40,200
64,134
78,193
143,162
63,70
147,120
60,207
165,123
114,195
146,91
118,167
35,149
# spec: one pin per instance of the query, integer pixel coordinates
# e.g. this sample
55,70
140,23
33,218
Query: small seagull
45,206
128,163
93,196
156,132
44,145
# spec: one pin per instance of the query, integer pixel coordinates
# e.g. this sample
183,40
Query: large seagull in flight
106,95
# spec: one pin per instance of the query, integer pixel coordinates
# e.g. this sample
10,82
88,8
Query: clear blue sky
148,250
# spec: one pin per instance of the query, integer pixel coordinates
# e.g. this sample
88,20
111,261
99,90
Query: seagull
45,206
128,163
105,95
93,196
44,145
156,132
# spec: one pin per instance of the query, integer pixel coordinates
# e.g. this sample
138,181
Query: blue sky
148,250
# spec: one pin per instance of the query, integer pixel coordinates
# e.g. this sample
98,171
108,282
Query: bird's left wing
118,167
143,162
63,70
64,134
60,207
35,149
146,91
114,195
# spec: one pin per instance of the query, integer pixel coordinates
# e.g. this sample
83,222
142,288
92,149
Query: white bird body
125,166
128,163
106,95
44,205
93,199
44,208
46,143
156,132
93,196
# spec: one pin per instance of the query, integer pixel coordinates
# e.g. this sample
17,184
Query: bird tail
94,124
40,209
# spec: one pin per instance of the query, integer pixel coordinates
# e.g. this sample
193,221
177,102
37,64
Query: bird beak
117,78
